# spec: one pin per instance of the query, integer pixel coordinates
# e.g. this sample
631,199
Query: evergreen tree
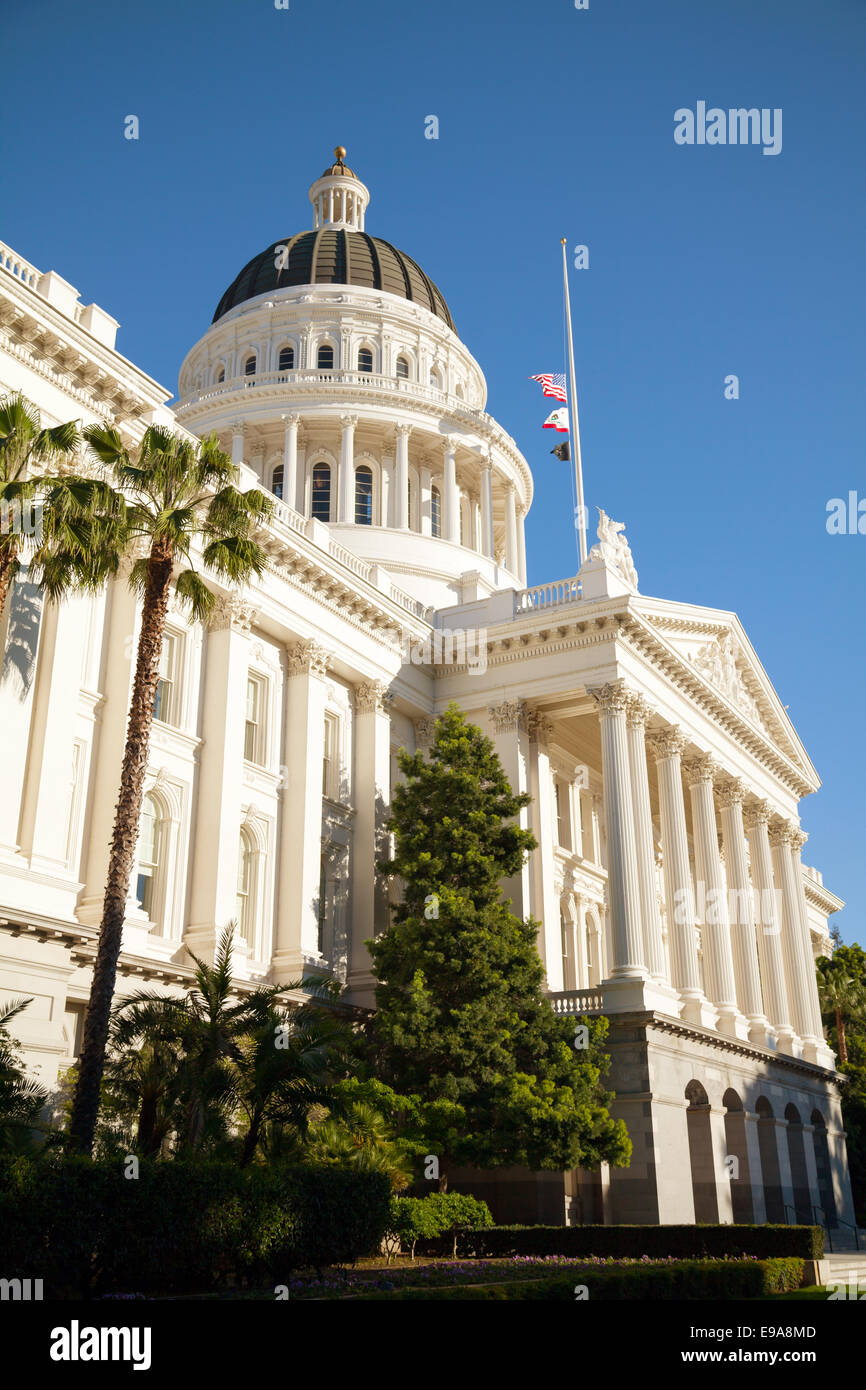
461,1021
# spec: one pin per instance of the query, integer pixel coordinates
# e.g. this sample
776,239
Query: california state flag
557,420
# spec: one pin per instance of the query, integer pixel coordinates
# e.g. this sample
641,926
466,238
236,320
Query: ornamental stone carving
667,743
638,711
614,550
372,696
509,716
731,792
757,813
308,658
611,699
230,610
798,838
718,662
424,730
538,726
700,769
783,833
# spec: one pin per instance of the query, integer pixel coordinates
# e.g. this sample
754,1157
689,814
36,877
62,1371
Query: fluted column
372,740
545,904
775,990
238,443
654,955
798,840
668,745
623,883
521,547
487,508
510,733
741,911
712,913
346,509
511,554
450,495
290,463
797,971
401,479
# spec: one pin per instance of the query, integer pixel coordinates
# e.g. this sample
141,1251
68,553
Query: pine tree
461,1019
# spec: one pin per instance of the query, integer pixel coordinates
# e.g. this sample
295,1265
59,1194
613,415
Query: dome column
401,501
290,463
345,509
512,563
487,508
450,495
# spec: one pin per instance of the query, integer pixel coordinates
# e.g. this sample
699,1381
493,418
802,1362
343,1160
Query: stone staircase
845,1263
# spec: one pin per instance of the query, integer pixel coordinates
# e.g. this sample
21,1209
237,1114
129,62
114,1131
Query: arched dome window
436,380
221,374
245,902
149,867
287,359
325,357
435,511
365,359
363,496
250,365
402,369
277,480
322,492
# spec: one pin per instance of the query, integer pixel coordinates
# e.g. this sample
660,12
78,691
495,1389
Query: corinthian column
757,820
712,913
290,464
799,971
654,955
372,736
623,883
668,746
346,509
798,839
401,479
450,495
742,911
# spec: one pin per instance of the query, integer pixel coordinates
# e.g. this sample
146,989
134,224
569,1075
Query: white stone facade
664,771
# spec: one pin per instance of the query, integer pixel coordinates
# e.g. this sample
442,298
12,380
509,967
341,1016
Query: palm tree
21,1098
841,994
24,447
172,495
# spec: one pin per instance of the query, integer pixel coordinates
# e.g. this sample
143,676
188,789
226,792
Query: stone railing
320,376
17,266
577,1001
352,562
550,595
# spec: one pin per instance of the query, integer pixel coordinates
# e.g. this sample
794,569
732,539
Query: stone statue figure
613,548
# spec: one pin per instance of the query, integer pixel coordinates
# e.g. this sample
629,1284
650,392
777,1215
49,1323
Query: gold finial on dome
340,153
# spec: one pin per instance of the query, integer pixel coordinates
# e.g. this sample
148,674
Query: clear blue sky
554,122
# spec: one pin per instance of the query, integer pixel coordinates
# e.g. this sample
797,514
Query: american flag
552,384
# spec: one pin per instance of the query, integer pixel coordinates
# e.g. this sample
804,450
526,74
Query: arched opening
435,511
799,1171
245,901
769,1150
569,954
363,496
402,369
435,379
737,1153
220,374
148,882
277,480
322,492
365,359
325,357
250,365
593,951
824,1170
701,1154
286,359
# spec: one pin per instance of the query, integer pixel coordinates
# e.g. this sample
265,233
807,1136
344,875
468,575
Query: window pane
436,512
365,360
325,357
363,497
322,492
250,366
277,481
287,359
402,368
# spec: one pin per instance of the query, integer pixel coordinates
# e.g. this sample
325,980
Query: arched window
277,480
148,867
460,395
245,902
325,357
322,492
363,496
221,375
402,369
365,359
435,511
287,359
250,366
436,380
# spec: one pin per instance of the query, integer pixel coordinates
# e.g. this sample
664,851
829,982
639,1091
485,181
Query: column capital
230,610
293,419
425,729
372,696
732,791
402,431
639,711
508,716
348,421
449,443
798,838
538,726
667,743
237,426
702,768
308,658
757,813
610,699
783,832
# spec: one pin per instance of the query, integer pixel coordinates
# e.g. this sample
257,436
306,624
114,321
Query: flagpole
575,430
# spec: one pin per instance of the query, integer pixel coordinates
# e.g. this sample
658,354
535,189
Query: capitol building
665,775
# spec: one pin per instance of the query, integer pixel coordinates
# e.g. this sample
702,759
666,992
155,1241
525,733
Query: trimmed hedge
687,1280
180,1227
682,1242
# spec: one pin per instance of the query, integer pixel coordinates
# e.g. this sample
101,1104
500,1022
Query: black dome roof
335,256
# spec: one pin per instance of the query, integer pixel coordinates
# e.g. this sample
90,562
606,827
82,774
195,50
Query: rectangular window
563,826
254,725
330,759
166,701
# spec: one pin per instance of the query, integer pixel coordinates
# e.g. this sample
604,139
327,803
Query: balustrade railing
577,1001
551,595
17,266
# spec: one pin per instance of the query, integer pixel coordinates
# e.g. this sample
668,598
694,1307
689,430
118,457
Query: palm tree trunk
840,1030
7,559
252,1138
124,839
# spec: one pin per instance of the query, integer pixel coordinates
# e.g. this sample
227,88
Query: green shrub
437,1216
731,1279
85,1229
682,1242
